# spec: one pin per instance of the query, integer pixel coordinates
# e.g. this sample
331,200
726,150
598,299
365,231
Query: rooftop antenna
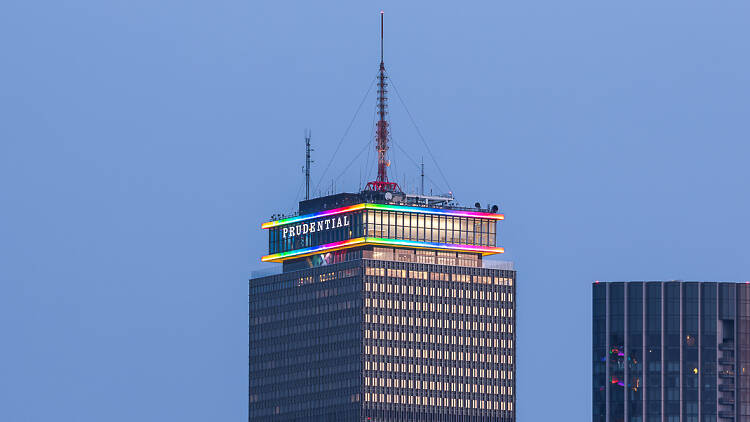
308,134
421,189
381,183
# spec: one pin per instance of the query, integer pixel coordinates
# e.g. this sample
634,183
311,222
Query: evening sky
143,143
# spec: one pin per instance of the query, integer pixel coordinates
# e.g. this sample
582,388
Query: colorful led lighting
299,253
383,207
485,250
297,219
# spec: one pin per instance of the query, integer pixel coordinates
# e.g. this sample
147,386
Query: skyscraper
385,309
671,351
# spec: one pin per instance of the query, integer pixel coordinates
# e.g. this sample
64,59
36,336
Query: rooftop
339,200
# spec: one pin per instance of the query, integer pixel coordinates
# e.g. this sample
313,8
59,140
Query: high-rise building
383,312
671,351
385,309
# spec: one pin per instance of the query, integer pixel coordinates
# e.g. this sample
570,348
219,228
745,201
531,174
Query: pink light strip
298,253
384,207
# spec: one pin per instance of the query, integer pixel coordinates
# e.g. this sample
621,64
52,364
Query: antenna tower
421,190
381,183
308,134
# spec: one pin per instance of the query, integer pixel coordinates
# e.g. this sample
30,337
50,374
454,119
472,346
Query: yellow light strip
360,241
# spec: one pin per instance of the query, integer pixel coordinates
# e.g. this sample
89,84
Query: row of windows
505,326
301,297
448,269
479,341
430,288
456,310
311,378
268,357
304,324
453,324
300,320
435,386
440,401
437,276
295,311
469,357
293,389
286,337
392,302
303,406
438,339
438,325
289,281
457,291
497,356
392,269
303,305
441,368
435,304
412,351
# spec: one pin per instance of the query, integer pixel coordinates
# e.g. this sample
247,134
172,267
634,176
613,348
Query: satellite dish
388,196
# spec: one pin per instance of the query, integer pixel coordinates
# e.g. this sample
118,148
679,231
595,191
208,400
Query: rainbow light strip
328,247
384,207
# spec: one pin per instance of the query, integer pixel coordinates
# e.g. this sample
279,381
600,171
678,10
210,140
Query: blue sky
142,144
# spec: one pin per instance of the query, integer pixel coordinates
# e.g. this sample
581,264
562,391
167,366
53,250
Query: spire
381,39
382,128
381,133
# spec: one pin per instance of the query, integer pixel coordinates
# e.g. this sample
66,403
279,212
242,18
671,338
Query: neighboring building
383,312
671,351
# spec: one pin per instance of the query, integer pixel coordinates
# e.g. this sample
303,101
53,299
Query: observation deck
348,220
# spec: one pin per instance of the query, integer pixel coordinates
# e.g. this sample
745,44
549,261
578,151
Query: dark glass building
385,311
671,351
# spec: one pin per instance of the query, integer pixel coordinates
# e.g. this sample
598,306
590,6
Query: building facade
671,351
385,310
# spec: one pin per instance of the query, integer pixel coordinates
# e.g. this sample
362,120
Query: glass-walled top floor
397,225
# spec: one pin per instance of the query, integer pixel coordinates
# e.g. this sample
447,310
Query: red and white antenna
381,133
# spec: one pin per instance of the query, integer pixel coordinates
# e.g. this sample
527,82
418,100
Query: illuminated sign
315,226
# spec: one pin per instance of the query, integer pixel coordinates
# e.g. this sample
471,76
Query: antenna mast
308,134
421,190
382,128
381,137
